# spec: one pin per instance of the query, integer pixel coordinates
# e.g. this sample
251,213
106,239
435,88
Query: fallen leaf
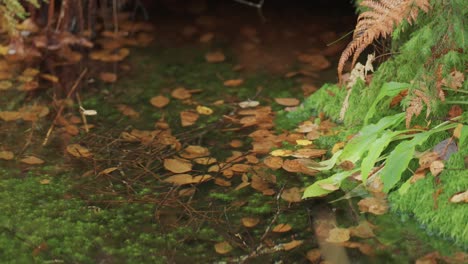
281,153
188,118
460,197
248,104
223,248
181,93
108,170
233,82
293,244
194,151
329,186
287,101
128,111
309,153
205,160
281,228
363,230
177,165
183,179
222,182
314,255
10,115
207,37
273,162
108,77
49,77
78,151
373,205
338,235
292,195
214,57
44,181
203,110
436,167
250,221
5,85
6,155
303,142
32,160
240,167
159,101
236,143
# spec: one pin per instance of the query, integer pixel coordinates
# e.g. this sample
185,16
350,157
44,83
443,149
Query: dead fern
379,21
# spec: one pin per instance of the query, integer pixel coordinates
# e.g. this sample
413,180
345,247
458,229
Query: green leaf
388,89
361,143
463,135
398,160
327,164
376,148
315,190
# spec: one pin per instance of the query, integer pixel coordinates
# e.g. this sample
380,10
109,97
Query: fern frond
383,16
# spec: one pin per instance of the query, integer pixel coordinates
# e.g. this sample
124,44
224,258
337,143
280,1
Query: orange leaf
214,57
31,160
177,165
188,118
159,101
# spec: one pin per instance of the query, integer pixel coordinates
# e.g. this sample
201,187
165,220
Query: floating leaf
250,221
248,104
177,165
292,195
32,160
159,101
6,155
78,151
303,142
373,205
281,228
281,153
223,248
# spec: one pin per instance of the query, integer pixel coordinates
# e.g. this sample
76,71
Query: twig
59,112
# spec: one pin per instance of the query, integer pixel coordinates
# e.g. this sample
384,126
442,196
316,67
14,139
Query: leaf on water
188,118
436,167
78,151
183,179
377,206
363,230
108,77
250,221
128,111
203,110
32,160
460,197
181,93
306,127
287,101
281,228
215,57
273,162
222,182
293,244
233,82
292,195
338,235
177,165
223,247
159,101
6,155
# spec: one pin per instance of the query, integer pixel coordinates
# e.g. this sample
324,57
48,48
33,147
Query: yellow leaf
303,142
215,57
203,110
44,181
281,153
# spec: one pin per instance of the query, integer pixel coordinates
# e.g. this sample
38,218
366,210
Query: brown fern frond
383,16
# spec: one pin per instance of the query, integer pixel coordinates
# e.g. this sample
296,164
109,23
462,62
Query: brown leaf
214,57
108,77
250,221
183,179
338,235
128,111
181,93
108,170
292,195
6,155
159,101
314,255
177,165
436,167
240,167
236,143
188,118
309,153
78,151
363,230
223,248
287,101
32,160
293,244
273,162
10,115
373,205
233,82
222,182
460,197
281,228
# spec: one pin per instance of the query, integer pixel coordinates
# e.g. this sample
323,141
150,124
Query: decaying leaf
273,162
6,155
250,221
177,165
292,195
159,101
281,228
338,235
32,160
436,167
183,179
79,151
287,101
223,248
373,205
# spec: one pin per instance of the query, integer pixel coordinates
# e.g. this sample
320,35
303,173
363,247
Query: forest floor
172,157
